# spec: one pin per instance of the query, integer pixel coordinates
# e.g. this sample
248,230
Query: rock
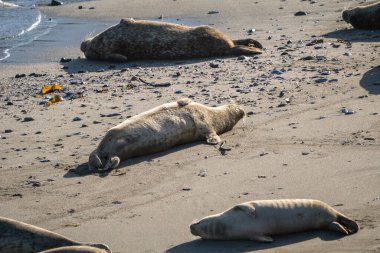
80,7
178,92
300,13
9,103
64,60
214,65
186,189
55,3
282,93
77,118
7,131
276,72
321,80
308,58
243,58
346,111
20,75
28,119
213,12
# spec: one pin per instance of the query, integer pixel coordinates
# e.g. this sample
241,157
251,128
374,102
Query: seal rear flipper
261,238
94,162
335,226
351,226
249,43
244,50
213,139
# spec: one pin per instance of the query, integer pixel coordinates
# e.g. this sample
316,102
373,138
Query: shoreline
296,141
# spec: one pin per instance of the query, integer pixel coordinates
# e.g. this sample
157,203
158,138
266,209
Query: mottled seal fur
144,39
20,237
363,17
161,128
258,220
75,249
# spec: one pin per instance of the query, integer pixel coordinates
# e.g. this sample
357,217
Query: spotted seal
258,220
144,39
161,128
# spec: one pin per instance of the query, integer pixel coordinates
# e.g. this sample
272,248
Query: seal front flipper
244,50
261,238
213,138
248,42
112,163
184,101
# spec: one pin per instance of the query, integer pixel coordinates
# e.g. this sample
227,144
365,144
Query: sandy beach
296,141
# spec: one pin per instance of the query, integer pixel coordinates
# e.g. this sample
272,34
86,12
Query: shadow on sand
84,65
371,81
211,246
355,35
83,170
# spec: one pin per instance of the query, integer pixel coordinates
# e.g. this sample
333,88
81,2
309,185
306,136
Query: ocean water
21,23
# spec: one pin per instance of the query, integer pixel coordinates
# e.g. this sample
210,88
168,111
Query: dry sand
304,147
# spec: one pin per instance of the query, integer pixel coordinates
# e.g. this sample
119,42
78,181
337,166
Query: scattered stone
300,13
55,3
28,119
214,65
7,131
346,111
347,54
110,115
178,92
80,7
282,93
77,118
186,189
117,202
202,173
321,80
64,60
276,72
213,12
243,58
305,153
20,75
9,103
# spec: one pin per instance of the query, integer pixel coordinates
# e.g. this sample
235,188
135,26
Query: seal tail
351,226
244,50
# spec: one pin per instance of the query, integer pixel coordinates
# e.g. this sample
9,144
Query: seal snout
193,229
84,45
346,16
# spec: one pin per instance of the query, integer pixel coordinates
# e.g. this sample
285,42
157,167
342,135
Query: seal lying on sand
161,128
75,249
257,220
19,237
144,39
363,17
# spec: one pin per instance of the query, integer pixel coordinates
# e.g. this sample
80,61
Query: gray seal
144,39
75,249
258,220
20,237
363,17
161,128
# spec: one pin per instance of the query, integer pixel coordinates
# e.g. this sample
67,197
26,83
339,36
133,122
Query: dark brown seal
363,17
143,39
20,237
161,128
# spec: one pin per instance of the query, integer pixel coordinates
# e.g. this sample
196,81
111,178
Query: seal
20,237
363,17
258,220
75,249
161,128
144,39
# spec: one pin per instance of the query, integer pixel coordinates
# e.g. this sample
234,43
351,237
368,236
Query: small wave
33,26
5,4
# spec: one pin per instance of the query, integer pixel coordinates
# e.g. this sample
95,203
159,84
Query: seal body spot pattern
258,220
144,39
163,127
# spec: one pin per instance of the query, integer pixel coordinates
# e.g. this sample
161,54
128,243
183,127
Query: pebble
64,60
77,118
213,12
202,173
347,54
186,189
300,13
321,80
276,72
346,111
28,119
7,131
214,65
20,75
55,3
178,92
243,58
